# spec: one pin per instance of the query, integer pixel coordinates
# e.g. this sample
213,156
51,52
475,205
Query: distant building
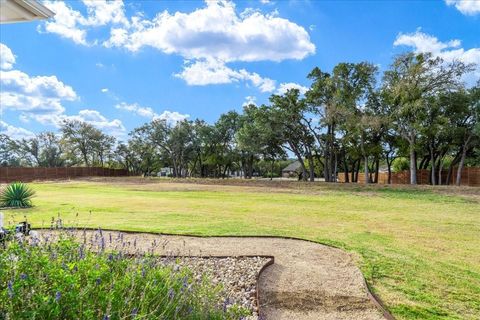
165,172
292,170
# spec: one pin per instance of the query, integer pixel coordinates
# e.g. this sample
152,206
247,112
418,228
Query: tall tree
259,137
289,112
79,139
411,81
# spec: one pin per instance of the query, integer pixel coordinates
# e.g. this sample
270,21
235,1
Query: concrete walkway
308,281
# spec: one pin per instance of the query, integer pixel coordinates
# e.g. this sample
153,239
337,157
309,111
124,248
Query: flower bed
63,279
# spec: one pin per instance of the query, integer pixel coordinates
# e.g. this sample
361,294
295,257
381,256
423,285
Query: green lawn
418,248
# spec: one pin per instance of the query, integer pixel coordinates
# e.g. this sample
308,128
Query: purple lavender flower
98,281
106,317
58,295
81,253
23,276
10,288
171,294
134,312
226,303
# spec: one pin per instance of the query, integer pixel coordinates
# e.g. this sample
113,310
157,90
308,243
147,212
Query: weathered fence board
470,177
9,174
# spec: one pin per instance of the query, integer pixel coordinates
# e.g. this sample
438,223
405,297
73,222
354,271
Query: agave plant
17,195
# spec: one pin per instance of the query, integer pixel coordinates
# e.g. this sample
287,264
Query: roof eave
29,10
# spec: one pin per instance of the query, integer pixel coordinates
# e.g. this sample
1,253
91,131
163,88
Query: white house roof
294,166
23,10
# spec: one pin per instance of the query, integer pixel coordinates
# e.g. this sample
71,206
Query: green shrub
400,164
17,195
64,280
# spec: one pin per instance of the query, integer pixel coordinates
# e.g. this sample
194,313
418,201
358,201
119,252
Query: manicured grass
419,249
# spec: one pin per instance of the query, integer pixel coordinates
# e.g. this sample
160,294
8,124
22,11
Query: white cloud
65,23
215,32
40,98
250,100
467,7
146,112
449,51
171,117
104,90
34,96
99,121
102,12
93,117
284,87
14,132
7,59
423,42
71,24
210,71
218,31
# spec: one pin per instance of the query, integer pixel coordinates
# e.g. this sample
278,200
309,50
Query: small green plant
17,195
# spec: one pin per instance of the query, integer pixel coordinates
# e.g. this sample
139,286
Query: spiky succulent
17,195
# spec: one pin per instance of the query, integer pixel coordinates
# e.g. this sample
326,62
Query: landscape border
376,300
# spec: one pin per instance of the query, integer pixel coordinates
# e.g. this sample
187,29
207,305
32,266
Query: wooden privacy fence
9,174
470,177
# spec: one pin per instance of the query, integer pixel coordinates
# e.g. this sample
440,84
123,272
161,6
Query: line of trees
348,121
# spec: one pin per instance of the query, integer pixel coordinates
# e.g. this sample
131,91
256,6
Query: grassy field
419,248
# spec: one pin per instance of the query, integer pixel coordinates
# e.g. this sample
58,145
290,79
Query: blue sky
120,64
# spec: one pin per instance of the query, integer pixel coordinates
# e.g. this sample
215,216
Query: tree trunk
377,169
345,167
450,168
311,168
440,167
225,171
389,168
424,162
250,168
413,164
271,169
462,161
335,170
367,178
354,163
326,167
357,170
432,170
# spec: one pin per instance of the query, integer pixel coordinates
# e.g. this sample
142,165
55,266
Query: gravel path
308,281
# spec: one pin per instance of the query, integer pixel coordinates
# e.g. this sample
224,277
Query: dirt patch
290,186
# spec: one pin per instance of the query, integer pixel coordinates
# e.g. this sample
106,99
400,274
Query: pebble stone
236,275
